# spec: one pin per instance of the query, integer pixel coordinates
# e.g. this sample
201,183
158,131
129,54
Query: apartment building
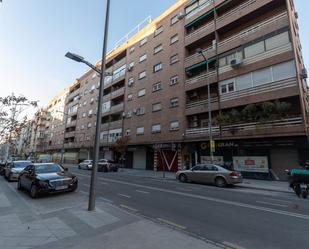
156,91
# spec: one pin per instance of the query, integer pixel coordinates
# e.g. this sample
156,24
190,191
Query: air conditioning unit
130,83
236,62
135,111
123,114
181,15
130,68
304,73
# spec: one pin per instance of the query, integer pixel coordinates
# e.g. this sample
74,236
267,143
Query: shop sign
205,146
216,160
251,164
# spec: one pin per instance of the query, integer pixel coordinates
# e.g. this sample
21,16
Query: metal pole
209,111
92,193
63,141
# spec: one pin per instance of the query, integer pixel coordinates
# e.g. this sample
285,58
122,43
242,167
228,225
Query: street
249,219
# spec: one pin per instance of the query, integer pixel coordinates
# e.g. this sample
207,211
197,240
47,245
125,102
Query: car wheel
34,191
183,178
10,178
74,188
19,186
220,182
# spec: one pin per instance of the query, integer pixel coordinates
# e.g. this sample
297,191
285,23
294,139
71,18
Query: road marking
171,223
232,203
129,208
105,200
271,204
229,244
104,183
271,199
126,196
142,192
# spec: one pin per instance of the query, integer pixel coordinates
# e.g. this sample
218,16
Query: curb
266,189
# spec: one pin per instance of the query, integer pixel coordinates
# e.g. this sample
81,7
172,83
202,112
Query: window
143,58
140,111
156,87
90,112
94,75
129,114
132,49
85,103
142,75
174,19
143,42
277,41
128,132
284,71
156,128
84,115
254,49
92,89
158,49
174,125
130,97
140,130
141,92
91,100
174,102
174,39
86,92
157,67
156,107
89,125
130,81
131,65
227,86
174,59
262,76
158,31
174,80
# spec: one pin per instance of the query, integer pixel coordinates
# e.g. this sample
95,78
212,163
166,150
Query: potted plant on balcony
282,109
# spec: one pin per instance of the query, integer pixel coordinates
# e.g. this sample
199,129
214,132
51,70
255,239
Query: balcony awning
206,14
188,69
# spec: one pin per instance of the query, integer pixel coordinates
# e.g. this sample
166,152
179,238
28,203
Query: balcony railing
275,86
119,91
242,34
201,102
204,76
117,108
247,127
112,125
198,9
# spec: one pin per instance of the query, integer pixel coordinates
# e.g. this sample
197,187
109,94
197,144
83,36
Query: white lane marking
105,199
104,183
129,208
171,223
232,203
142,192
229,244
271,204
277,200
126,196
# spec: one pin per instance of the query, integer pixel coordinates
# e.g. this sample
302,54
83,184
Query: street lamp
77,58
201,52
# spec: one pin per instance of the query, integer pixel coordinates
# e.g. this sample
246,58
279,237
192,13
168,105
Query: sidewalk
276,186
62,222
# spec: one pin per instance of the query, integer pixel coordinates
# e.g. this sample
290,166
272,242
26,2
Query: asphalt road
243,218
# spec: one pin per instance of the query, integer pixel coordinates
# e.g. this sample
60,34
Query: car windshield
21,164
48,168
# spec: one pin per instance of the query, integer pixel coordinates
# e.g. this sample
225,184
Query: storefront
256,158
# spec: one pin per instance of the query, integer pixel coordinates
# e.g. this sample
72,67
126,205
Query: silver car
86,164
13,169
210,174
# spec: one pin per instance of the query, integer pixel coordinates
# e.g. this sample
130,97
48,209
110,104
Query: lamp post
201,52
77,58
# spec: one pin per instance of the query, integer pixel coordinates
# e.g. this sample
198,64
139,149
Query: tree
12,121
250,112
121,146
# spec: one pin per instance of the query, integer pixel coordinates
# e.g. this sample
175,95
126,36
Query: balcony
117,93
71,124
271,24
230,16
200,80
111,125
70,134
279,89
283,127
114,109
201,106
115,78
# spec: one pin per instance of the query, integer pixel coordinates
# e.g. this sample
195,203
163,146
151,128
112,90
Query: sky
36,34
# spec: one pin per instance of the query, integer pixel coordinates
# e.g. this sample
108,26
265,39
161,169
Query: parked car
210,174
48,178
86,164
13,169
105,165
2,167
